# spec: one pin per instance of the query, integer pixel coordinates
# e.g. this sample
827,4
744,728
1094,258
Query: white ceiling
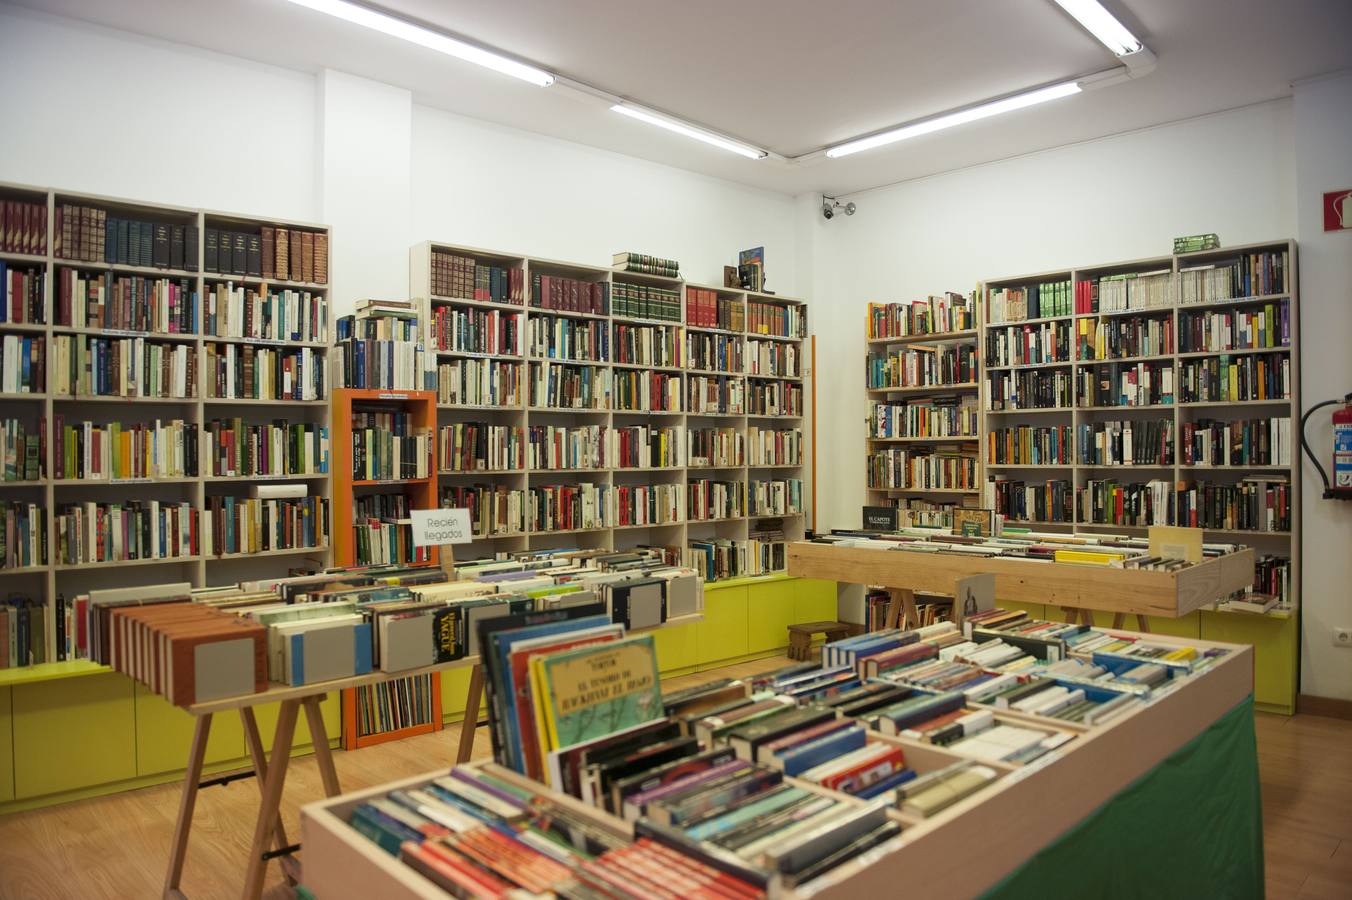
792,76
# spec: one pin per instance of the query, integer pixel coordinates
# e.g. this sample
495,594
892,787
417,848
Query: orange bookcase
422,494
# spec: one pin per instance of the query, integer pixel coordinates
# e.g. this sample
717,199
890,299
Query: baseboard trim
1329,707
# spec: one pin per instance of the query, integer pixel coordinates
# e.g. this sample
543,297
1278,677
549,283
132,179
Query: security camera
831,204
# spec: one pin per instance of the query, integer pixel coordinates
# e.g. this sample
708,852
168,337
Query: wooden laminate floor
117,847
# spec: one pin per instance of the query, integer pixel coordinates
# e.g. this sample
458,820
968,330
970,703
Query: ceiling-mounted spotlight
831,204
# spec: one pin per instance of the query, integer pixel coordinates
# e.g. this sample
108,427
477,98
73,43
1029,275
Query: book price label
434,527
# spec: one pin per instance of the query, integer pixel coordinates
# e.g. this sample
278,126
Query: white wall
1323,130
482,185
1123,197
90,109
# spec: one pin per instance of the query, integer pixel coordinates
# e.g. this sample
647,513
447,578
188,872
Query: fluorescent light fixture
426,37
961,117
707,137
1102,25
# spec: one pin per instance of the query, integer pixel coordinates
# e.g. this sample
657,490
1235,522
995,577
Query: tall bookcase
1160,295
184,234
645,336
922,369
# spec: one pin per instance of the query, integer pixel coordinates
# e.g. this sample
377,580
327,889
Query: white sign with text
434,527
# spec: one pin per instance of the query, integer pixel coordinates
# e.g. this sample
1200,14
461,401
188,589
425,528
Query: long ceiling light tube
426,37
960,117
1103,25
699,134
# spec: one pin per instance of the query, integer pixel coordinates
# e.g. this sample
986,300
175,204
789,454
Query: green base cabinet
771,608
72,733
677,647
723,632
6,747
1275,642
164,735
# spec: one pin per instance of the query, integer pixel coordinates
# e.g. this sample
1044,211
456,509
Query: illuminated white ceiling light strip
689,131
961,117
426,37
1102,25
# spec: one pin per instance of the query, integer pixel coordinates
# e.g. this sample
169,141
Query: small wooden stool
800,636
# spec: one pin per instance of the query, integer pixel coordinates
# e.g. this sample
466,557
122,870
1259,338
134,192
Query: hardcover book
594,691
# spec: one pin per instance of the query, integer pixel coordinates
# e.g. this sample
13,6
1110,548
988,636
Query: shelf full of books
1162,391
163,401
922,376
618,406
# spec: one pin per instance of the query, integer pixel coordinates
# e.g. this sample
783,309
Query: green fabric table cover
1190,827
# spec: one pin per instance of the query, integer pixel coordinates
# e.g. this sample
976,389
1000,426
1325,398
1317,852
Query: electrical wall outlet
1342,636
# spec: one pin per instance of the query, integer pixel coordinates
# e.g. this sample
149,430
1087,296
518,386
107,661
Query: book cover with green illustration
594,691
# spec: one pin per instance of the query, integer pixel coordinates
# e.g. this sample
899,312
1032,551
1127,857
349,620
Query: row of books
1256,328
1226,378
278,449
648,265
643,301
23,534
472,330
23,364
1029,389
568,447
126,302
1034,301
259,525
395,705
23,450
247,372
381,365
564,338
569,387
649,504
479,382
774,358
1247,275
1109,502
569,294
287,254
715,352
462,278
1029,445
83,365
718,447
774,447
97,452
715,394
1129,290
1245,442
25,623
774,398
955,417
506,839
648,345
23,227
722,559
705,309
239,311
896,468
494,509
710,499
640,391
954,364
782,320
1024,345
933,315
479,447
919,512
387,446
23,294
1124,336
776,497
1125,384
1022,501
1126,442
89,234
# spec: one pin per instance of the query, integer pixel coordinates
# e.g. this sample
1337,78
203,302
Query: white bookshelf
55,578
524,415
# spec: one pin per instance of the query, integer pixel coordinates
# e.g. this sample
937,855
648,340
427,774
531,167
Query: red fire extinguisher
1341,486
1342,448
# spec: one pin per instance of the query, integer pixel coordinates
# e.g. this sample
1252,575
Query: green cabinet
1276,643
814,601
771,608
72,733
722,634
6,747
164,735
677,647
